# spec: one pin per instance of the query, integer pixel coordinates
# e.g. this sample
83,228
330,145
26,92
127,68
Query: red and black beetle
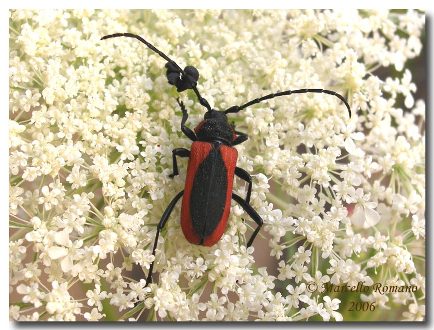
212,162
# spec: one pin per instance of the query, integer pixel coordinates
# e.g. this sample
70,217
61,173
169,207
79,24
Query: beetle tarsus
241,137
181,152
187,131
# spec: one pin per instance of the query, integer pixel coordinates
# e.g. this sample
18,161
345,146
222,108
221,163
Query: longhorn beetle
212,161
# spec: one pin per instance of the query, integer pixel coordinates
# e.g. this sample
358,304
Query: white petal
351,147
358,136
358,217
62,237
56,252
22,289
66,264
337,316
51,307
370,205
409,101
45,190
372,217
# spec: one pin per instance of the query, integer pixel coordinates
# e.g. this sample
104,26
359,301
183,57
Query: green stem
107,308
132,311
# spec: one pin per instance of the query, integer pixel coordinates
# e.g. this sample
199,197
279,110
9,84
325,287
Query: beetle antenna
236,108
176,75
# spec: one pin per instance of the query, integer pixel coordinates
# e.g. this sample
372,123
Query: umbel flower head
91,132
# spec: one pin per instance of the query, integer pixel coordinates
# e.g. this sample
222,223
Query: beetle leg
160,226
239,172
187,131
252,213
241,137
181,152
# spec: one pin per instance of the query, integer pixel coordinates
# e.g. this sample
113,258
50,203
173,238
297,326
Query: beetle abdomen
208,191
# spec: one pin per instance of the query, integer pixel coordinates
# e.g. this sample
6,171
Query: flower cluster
92,128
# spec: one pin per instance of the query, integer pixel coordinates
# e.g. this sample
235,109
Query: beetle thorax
215,127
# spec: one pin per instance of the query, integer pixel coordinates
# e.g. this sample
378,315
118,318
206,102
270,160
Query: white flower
59,303
364,215
196,268
296,294
94,315
143,258
418,226
95,296
51,197
215,310
319,280
107,242
32,294
76,178
14,312
64,249
122,300
401,259
415,313
15,199
331,306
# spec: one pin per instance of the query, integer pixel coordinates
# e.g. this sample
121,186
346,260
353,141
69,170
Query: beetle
206,198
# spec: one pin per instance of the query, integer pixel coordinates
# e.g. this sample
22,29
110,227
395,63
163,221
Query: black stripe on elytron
208,194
